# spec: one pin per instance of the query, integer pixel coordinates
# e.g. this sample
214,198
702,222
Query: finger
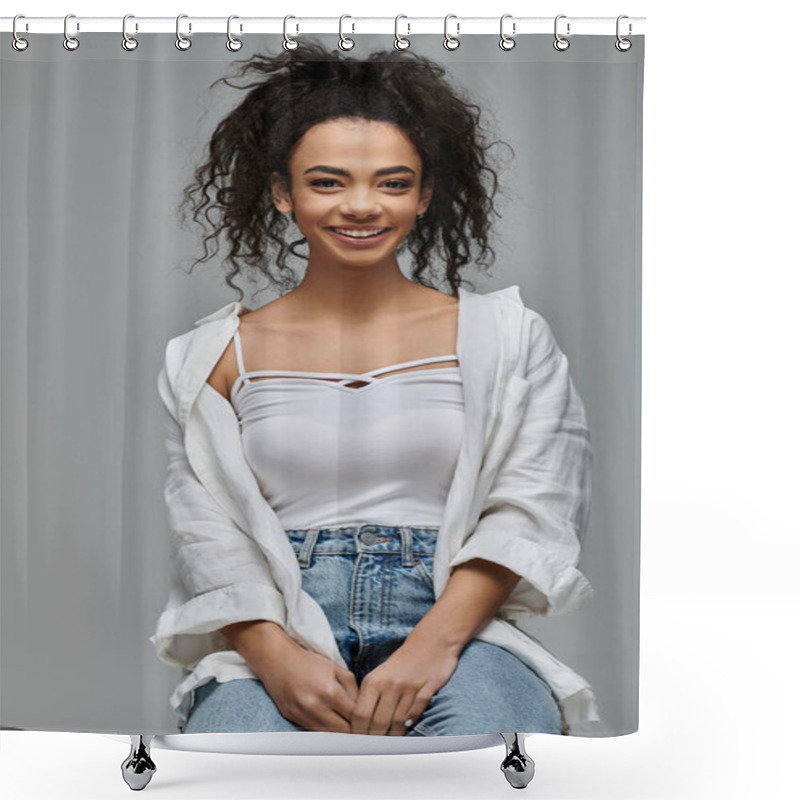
361,717
343,699
383,716
417,707
328,721
402,715
348,681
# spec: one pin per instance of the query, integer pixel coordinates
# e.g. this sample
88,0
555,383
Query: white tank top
327,454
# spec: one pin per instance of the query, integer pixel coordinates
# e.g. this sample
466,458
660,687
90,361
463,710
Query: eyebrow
344,173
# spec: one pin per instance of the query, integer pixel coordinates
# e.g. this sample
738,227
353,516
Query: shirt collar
234,308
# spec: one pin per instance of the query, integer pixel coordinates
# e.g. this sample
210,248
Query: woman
332,570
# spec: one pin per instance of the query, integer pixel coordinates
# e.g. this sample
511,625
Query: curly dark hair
295,91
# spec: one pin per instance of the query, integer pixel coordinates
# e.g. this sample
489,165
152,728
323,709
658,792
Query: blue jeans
375,583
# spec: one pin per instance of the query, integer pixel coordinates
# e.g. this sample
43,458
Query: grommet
181,42
561,43
18,43
506,42
129,43
623,45
401,43
451,42
289,43
70,42
344,42
233,44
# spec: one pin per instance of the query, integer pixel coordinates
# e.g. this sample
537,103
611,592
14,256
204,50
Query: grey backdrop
95,149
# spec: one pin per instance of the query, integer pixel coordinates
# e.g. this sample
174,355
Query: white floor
722,724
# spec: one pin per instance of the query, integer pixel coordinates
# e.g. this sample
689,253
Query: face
356,190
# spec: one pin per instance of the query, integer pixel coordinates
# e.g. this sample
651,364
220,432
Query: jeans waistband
355,539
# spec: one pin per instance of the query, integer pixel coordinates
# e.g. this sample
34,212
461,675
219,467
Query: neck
354,294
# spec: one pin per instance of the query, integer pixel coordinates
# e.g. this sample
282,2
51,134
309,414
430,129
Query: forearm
257,641
474,592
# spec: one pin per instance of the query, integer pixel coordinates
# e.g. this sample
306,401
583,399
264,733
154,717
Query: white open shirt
519,497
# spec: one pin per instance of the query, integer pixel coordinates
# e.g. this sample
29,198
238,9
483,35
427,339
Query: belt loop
407,538
307,549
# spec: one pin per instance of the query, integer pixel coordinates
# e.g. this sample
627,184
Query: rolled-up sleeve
218,573
536,512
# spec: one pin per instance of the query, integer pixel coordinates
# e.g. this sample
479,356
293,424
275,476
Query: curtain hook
18,43
451,42
233,44
400,43
506,42
623,45
70,42
181,42
128,42
344,42
560,42
289,43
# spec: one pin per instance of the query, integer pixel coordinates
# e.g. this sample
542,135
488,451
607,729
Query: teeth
359,234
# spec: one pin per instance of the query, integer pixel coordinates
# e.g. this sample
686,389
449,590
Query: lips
358,233
360,237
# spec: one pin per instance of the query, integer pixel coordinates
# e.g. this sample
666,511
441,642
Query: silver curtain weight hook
128,42
400,43
506,42
451,42
18,43
344,42
70,42
289,43
233,44
560,43
623,45
181,42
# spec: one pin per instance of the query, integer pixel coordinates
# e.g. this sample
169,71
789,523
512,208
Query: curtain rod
457,26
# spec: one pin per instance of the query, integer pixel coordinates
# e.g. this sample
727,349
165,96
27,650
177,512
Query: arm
535,514
219,574
222,584
402,686
519,559
473,594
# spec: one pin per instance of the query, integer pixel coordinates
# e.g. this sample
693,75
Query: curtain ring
128,42
289,43
70,42
181,42
451,42
18,43
401,43
233,44
344,42
560,42
623,45
506,42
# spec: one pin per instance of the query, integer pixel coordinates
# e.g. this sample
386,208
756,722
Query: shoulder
225,371
193,346
520,319
250,323
528,332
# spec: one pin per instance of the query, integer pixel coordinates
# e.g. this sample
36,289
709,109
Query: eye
320,181
400,184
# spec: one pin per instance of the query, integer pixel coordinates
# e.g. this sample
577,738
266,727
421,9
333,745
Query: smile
360,236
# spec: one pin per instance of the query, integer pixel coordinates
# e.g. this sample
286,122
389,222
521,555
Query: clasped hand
400,689
317,694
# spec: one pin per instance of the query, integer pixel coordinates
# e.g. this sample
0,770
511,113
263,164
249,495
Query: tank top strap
417,362
237,343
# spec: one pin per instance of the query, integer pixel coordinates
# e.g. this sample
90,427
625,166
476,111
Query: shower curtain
99,271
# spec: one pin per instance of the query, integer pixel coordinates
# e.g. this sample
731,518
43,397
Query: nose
360,203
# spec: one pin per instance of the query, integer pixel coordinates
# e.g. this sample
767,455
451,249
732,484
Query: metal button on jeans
368,537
